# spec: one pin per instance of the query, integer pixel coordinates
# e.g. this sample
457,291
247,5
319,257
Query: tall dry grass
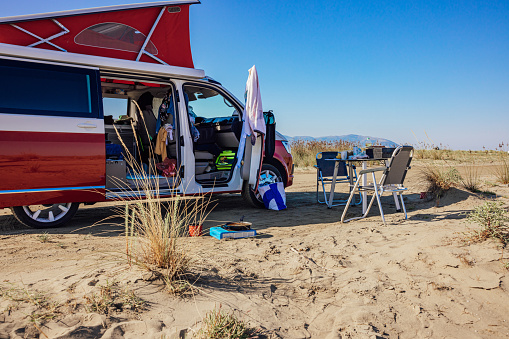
154,230
425,150
304,152
439,179
430,151
470,180
502,170
155,226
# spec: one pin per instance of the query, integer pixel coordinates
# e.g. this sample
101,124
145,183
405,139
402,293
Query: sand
305,276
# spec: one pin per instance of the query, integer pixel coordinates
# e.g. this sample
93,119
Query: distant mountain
361,140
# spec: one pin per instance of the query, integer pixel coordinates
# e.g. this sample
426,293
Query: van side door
52,147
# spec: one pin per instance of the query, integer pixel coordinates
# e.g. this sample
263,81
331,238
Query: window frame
93,82
154,80
219,90
225,94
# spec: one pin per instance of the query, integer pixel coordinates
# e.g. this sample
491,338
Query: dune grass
155,226
502,169
112,296
44,237
304,152
154,231
219,324
439,179
38,307
470,180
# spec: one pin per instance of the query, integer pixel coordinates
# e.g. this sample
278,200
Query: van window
207,103
115,107
114,35
40,89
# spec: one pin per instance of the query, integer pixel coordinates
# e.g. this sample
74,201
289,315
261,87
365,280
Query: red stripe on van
41,160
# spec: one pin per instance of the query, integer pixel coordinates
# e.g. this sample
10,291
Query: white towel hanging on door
253,121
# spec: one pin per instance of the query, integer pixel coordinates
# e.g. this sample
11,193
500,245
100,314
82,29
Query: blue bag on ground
274,196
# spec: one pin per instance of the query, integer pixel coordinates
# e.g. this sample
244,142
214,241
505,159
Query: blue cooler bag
274,197
114,151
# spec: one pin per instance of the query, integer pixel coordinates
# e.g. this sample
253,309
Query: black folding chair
325,173
391,181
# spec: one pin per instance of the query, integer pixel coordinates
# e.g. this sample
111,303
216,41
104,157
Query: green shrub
223,325
491,216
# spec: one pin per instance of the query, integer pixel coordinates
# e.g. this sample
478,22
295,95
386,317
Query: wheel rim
267,177
47,214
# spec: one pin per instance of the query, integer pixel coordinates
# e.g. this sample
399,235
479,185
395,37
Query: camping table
350,175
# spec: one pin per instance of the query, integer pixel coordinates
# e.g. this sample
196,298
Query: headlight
287,146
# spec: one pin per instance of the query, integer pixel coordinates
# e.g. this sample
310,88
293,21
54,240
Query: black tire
45,216
269,175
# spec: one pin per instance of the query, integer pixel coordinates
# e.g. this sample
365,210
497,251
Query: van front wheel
45,216
268,175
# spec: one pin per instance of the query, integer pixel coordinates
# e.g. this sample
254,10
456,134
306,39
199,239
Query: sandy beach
305,276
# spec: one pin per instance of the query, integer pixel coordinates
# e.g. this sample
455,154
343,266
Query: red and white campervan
79,89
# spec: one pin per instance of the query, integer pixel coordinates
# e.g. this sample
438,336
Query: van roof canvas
156,32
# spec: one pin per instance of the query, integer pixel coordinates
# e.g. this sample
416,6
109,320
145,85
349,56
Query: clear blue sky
379,68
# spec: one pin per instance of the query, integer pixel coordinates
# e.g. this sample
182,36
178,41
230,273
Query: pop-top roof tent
155,32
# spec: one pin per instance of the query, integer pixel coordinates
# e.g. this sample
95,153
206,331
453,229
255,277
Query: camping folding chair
391,181
325,173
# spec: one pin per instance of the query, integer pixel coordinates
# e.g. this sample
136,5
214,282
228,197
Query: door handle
86,125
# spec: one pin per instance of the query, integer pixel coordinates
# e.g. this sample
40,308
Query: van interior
142,134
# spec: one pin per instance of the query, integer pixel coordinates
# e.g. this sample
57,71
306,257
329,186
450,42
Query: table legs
364,193
364,183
